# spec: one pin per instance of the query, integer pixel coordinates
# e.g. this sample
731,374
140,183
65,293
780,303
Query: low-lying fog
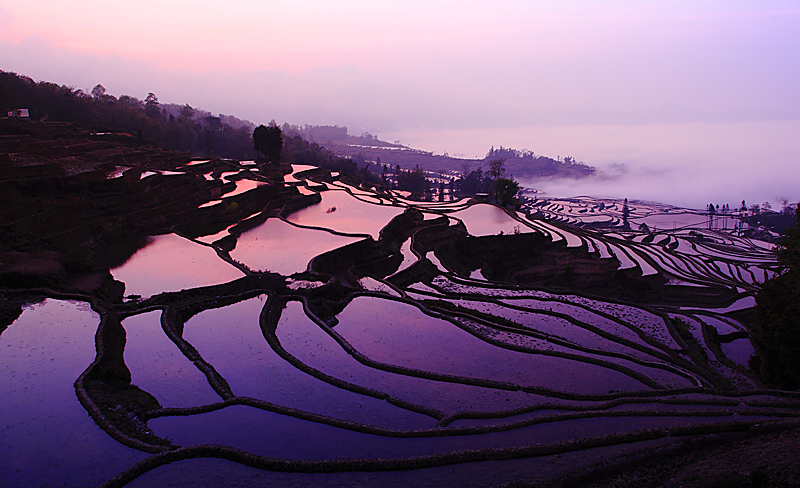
685,164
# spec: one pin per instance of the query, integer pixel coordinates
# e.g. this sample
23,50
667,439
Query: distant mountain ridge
369,148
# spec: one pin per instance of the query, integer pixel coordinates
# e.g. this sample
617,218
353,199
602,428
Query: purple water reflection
172,263
341,212
400,334
273,246
41,421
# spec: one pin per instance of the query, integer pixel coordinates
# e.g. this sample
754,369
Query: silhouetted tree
126,101
98,92
465,169
711,212
496,170
187,112
268,141
413,181
506,190
626,213
151,105
476,182
778,316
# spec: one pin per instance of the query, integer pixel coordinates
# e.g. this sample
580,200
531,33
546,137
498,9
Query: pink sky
406,70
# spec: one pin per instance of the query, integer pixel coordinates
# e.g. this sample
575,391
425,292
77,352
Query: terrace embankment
75,204
533,259
730,460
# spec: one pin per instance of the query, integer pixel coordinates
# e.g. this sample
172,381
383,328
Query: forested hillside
181,129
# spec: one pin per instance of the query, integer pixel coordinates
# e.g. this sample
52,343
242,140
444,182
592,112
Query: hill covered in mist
369,148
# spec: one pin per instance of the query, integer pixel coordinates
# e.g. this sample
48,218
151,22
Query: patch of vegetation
401,227
682,328
443,305
528,259
326,302
423,271
777,332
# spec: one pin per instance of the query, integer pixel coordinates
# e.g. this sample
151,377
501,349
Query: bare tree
496,170
465,167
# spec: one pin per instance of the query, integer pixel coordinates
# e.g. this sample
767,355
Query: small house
20,113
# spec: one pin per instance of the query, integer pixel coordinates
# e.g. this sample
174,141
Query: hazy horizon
695,101
687,164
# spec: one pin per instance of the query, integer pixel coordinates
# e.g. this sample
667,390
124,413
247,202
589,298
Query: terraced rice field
449,378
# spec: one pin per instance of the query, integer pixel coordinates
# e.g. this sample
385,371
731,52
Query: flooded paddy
43,424
405,336
172,263
484,219
341,212
384,363
158,367
273,246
